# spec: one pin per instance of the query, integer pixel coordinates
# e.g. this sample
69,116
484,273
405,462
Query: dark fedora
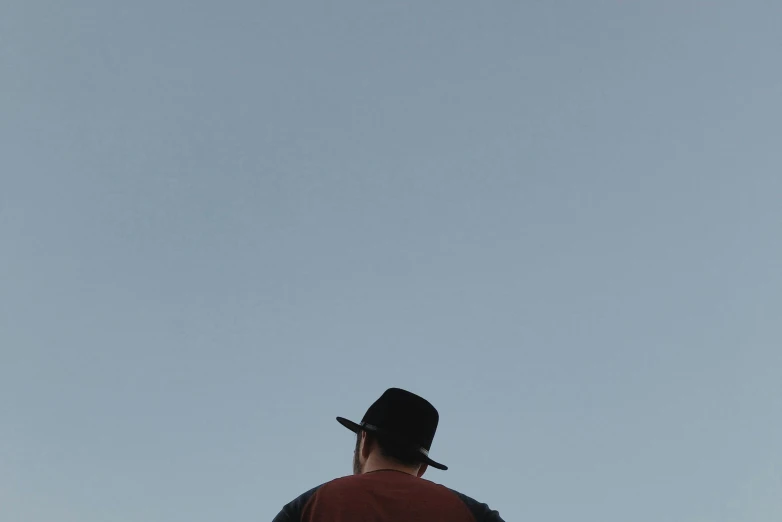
403,417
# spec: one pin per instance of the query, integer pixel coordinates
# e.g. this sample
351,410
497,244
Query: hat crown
404,416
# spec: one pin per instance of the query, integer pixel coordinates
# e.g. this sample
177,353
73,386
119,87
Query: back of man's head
399,453
377,451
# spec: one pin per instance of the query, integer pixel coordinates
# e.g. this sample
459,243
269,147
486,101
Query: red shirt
384,496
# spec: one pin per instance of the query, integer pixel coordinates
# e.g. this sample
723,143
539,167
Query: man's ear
422,470
367,441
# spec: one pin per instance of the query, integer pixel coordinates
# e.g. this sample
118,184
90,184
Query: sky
223,224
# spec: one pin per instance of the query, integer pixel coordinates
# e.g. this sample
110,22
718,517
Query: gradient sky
222,224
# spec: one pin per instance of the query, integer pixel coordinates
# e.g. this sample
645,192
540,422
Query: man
392,454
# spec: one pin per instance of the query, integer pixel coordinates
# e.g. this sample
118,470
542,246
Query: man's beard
357,468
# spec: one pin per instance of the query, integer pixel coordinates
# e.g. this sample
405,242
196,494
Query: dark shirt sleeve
291,512
282,516
481,512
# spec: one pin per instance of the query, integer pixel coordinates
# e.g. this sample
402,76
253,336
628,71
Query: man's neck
381,464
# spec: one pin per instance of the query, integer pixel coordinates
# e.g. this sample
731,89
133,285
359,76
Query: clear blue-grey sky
224,224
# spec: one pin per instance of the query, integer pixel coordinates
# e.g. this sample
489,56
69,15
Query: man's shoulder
291,512
481,512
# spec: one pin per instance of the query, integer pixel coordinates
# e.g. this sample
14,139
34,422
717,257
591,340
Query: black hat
403,416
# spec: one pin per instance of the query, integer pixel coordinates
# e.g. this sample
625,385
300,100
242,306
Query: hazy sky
222,224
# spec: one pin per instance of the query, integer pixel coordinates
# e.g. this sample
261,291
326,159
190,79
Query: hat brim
355,428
